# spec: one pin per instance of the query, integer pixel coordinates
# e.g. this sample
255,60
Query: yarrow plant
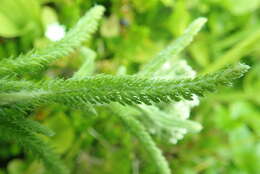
155,102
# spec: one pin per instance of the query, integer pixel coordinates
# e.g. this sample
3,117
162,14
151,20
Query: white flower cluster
182,108
168,121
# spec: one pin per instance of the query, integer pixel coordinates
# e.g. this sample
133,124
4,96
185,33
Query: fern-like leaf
160,117
137,129
149,70
14,131
174,48
39,59
126,90
88,66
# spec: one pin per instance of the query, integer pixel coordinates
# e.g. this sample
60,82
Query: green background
131,32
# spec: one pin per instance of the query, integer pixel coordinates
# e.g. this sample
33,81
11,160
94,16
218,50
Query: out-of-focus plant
130,33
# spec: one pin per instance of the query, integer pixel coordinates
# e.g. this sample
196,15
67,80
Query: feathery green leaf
137,129
36,60
16,132
88,66
174,48
126,90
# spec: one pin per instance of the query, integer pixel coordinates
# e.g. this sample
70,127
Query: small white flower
55,32
166,66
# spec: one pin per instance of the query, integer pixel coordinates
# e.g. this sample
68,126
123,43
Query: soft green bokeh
131,32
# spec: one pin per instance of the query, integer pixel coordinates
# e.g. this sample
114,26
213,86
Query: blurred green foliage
131,32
